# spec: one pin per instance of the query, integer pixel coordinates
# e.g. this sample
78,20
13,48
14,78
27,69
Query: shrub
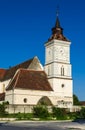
40,112
3,108
59,113
82,113
28,116
73,115
19,116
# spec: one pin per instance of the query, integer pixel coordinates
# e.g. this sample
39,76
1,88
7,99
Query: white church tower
58,67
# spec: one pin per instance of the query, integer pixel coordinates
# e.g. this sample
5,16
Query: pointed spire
57,24
57,30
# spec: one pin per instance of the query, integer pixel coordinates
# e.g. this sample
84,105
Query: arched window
25,100
44,101
62,71
62,85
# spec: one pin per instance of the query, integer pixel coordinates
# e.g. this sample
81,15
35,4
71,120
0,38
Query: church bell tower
58,67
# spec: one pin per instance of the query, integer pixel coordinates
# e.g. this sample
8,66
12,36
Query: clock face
62,54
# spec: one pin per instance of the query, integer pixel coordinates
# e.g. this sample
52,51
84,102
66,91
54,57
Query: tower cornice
55,41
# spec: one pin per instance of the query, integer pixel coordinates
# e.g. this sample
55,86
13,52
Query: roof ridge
20,63
17,78
12,79
11,71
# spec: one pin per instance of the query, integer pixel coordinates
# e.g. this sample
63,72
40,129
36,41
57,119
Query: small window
62,85
25,100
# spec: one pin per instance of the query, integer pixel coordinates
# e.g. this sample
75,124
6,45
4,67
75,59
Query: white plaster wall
49,53
65,93
57,69
52,51
9,96
54,60
54,70
3,85
53,64
31,96
67,90
34,96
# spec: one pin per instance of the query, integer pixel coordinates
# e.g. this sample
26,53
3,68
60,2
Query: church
30,83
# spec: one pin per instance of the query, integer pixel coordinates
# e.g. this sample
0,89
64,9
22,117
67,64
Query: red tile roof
9,73
31,80
2,73
82,103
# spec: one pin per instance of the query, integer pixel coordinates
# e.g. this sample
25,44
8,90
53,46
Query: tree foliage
82,113
75,100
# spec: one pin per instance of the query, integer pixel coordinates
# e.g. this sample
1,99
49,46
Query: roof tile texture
30,79
9,73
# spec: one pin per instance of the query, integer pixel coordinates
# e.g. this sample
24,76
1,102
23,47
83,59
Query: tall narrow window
62,71
48,70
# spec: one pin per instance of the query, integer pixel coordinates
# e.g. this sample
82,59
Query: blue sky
25,25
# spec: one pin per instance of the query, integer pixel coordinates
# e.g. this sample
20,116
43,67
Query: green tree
75,100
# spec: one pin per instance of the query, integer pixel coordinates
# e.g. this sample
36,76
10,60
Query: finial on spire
57,11
57,24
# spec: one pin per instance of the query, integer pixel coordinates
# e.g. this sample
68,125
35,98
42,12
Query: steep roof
31,80
9,73
82,103
33,63
2,73
57,24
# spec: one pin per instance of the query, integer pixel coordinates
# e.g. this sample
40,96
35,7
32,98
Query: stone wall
19,108
29,108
